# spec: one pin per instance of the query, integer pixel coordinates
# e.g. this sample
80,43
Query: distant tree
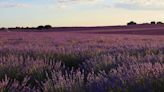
40,27
31,27
145,23
47,26
2,28
160,22
153,22
132,23
27,28
17,27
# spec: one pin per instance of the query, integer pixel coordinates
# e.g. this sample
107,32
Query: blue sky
78,12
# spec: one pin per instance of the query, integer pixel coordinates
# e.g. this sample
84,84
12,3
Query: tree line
40,27
152,22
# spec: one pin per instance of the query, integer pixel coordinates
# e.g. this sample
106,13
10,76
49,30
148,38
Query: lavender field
81,62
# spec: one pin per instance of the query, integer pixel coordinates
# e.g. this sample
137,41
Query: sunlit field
81,62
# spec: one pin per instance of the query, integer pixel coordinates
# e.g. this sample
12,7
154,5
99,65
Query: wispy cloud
138,4
118,4
64,4
71,3
78,1
13,5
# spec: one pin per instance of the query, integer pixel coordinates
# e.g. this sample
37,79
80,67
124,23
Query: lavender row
80,63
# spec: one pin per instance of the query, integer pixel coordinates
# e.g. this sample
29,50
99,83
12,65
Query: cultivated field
82,61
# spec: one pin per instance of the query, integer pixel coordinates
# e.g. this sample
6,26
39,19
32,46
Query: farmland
82,61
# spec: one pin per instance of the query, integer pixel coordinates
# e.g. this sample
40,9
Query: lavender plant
77,62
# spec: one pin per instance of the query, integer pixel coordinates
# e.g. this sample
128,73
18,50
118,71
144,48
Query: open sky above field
78,12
